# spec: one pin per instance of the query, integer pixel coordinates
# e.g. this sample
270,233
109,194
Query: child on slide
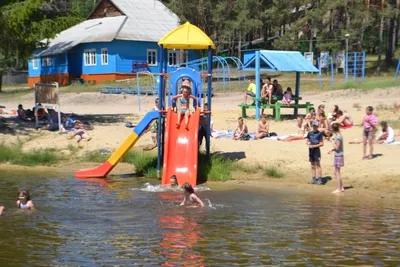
184,100
190,198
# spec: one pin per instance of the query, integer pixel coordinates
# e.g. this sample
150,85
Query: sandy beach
109,113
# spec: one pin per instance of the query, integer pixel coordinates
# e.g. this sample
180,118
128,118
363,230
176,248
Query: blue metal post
355,66
258,94
319,72
332,71
209,92
397,70
346,67
363,67
297,93
160,107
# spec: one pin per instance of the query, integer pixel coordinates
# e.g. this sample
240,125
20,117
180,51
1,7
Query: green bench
276,108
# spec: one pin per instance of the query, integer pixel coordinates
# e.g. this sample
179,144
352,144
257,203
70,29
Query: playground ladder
355,66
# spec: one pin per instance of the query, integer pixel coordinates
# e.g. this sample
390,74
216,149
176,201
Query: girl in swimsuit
344,120
184,99
190,198
24,202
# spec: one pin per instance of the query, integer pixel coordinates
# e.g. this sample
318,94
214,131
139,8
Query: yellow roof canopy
186,36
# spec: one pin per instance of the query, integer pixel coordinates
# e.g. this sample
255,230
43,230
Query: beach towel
397,143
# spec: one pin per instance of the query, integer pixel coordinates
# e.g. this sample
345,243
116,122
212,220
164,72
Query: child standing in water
190,197
184,99
173,182
369,124
315,140
24,201
337,142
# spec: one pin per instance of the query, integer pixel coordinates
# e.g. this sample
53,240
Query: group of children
269,91
24,201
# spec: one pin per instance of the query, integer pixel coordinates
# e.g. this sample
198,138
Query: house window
104,56
173,58
47,61
35,63
90,57
152,57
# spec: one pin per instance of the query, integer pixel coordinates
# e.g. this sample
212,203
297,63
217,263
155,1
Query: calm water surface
80,223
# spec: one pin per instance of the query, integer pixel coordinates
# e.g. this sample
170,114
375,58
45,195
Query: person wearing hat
315,140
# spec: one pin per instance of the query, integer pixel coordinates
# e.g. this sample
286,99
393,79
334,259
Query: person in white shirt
387,134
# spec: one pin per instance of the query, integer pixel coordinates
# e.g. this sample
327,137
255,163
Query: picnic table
275,105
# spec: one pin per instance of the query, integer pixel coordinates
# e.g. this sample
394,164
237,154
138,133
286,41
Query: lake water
81,223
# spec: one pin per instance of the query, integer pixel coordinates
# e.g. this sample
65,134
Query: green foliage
96,156
15,155
145,163
273,172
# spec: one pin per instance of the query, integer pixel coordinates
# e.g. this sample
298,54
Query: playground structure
47,94
355,66
178,147
328,64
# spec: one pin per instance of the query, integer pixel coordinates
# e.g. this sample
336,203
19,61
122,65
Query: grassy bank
15,155
217,168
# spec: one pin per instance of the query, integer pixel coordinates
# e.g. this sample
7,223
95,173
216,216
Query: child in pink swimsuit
369,128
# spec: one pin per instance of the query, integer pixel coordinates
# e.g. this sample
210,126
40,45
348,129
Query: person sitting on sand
310,117
332,116
190,198
344,120
241,132
79,133
302,129
24,115
320,110
251,90
24,201
287,97
387,134
184,107
263,128
324,126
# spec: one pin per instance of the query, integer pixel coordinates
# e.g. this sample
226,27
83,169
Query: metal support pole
297,93
209,92
332,72
160,107
258,89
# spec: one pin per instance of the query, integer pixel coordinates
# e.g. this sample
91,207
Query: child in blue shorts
315,141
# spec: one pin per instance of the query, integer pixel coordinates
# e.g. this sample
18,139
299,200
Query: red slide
181,148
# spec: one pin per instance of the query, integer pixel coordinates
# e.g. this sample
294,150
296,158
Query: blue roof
283,61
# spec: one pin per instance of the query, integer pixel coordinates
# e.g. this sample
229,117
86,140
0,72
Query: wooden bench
276,107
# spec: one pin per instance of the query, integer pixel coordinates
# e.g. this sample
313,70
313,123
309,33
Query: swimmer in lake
173,182
24,202
190,198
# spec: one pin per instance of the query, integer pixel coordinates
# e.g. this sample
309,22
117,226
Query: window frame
104,56
177,57
88,53
35,63
155,57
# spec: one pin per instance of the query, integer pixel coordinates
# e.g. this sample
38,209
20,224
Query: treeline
24,24
305,25
234,25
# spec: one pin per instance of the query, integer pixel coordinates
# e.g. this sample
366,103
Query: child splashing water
184,109
24,201
190,198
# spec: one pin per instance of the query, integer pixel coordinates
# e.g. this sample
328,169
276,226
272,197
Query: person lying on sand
79,133
302,130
